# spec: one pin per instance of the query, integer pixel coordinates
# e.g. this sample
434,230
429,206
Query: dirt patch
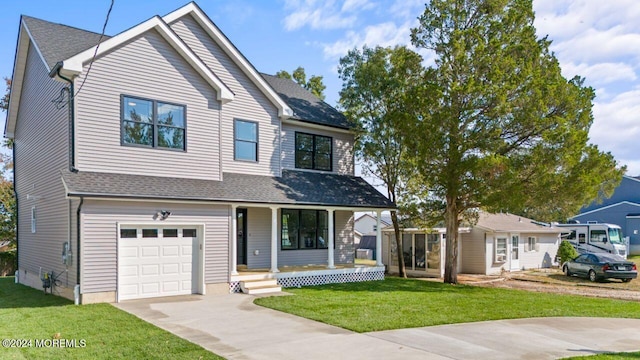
554,281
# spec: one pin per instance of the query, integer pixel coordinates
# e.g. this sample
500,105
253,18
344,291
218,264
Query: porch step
264,286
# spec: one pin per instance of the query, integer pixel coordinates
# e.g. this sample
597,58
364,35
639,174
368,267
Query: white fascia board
76,63
605,208
284,111
19,67
316,126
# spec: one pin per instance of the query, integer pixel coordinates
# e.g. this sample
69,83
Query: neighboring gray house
496,243
622,209
366,224
175,167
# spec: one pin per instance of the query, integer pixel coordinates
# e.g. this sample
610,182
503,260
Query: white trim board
606,207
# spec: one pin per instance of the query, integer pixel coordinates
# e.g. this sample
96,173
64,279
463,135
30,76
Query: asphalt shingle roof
506,222
58,42
293,187
306,106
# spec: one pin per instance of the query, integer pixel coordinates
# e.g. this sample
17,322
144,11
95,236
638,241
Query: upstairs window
153,123
245,135
314,152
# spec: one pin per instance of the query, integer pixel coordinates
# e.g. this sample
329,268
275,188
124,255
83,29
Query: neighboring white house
496,243
366,224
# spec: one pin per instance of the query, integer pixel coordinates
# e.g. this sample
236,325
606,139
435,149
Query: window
304,229
128,233
313,152
501,250
149,233
189,233
597,236
531,244
245,140
153,123
33,219
169,233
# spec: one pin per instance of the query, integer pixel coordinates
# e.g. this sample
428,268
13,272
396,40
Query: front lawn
107,332
405,303
608,356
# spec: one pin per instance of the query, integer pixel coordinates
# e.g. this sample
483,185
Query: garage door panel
168,250
150,267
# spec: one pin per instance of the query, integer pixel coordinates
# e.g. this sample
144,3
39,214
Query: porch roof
292,188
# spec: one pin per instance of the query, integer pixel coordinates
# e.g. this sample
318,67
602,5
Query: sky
598,40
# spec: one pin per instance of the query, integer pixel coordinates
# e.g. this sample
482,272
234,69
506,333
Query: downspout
72,147
15,193
76,289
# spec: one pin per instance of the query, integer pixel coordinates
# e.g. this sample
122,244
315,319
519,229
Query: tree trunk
451,260
396,228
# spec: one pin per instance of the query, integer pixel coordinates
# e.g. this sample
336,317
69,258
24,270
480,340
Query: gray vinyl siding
99,237
41,139
342,147
259,238
249,103
473,252
147,67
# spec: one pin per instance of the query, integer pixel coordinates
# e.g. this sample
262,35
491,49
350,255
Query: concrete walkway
233,327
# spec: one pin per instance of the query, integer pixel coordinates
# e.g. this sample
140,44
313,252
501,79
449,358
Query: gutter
76,290
70,90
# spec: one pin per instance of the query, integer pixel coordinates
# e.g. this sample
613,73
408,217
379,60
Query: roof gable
193,10
74,65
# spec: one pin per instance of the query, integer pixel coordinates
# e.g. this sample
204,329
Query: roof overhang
284,111
317,126
74,65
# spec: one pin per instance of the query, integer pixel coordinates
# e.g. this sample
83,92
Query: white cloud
384,34
601,73
323,14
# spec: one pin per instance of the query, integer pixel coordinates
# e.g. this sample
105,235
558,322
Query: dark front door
241,217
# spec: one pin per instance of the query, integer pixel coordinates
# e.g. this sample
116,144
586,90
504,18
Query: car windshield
614,236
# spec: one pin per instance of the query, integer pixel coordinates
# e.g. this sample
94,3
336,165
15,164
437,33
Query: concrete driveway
233,327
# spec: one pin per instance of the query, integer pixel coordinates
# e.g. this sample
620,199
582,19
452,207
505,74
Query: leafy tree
499,127
376,87
7,196
314,84
566,252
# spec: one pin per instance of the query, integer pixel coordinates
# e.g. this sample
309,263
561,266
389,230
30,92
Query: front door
515,252
241,217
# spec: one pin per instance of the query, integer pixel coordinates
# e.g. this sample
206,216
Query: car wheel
566,270
626,280
592,276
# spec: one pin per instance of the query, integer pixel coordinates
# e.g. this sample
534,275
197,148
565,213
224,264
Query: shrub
566,252
7,263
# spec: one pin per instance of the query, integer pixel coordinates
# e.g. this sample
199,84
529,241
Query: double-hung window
531,244
153,123
245,135
304,229
313,152
500,254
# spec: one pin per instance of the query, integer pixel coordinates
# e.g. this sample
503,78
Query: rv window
598,236
582,238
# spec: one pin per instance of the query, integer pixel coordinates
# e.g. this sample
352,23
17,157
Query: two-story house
162,163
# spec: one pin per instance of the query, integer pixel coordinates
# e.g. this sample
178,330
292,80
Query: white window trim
33,219
536,244
500,258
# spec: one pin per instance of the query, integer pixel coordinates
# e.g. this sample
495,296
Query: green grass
633,257
609,356
405,303
109,333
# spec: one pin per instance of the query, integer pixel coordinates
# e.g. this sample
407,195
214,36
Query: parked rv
595,238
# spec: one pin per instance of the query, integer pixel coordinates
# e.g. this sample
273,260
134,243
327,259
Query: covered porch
297,245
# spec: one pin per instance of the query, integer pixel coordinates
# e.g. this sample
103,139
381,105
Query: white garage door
157,261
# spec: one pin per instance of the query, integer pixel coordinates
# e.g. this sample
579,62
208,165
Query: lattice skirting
330,279
234,287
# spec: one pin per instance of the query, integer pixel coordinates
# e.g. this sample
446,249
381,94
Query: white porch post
330,264
234,240
274,240
378,239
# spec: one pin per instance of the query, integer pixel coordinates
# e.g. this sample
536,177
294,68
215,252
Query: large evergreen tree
499,128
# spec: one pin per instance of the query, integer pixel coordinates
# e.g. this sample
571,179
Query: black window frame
314,153
299,230
257,142
154,124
